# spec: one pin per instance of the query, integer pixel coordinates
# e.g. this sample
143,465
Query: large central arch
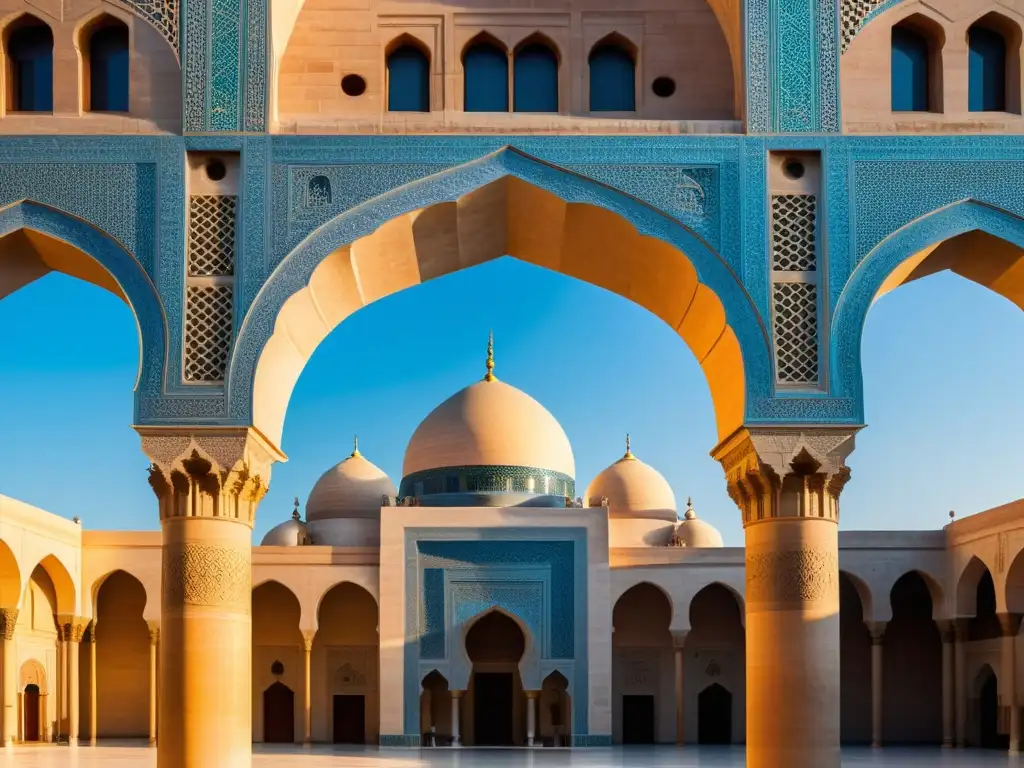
503,204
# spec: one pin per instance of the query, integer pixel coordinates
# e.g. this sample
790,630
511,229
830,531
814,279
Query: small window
485,68
408,80
986,70
911,79
318,192
612,79
277,668
30,54
535,76
108,67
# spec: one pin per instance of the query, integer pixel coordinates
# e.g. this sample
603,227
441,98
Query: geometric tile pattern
852,14
162,14
796,332
793,233
211,235
207,332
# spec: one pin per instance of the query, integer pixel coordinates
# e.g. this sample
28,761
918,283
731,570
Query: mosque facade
246,174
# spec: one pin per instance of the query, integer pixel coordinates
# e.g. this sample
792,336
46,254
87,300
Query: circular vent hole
215,170
793,169
277,668
663,87
353,85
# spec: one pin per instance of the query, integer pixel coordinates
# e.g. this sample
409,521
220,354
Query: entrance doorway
714,715
637,719
492,709
349,719
30,702
278,714
988,711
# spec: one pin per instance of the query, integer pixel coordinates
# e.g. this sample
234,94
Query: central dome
489,438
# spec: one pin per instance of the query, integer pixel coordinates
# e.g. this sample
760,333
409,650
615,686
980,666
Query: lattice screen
209,305
795,289
852,14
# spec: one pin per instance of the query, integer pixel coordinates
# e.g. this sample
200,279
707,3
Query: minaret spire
490,358
355,447
629,452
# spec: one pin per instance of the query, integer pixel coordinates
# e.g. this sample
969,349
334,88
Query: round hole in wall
215,170
663,87
793,169
353,85
277,668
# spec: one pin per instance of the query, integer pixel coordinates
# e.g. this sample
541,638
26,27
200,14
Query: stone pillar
531,717
456,736
307,687
960,664
62,683
678,642
948,683
8,621
154,648
208,484
877,629
72,631
1010,624
93,711
786,483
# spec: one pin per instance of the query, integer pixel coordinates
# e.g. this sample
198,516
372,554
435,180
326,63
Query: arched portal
435,710
277,659
714,715
122,659
854,664
500,205
33,710
495,700
278,714
345,661
642,666
983,711
555,717
715,659
31,713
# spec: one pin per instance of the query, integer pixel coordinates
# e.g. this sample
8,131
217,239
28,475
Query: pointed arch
150,592
528,662
943,239
10,578
103,43
656,589
612,74
916,65
28,47
408,66
993,43
503,204
535,68
485,74
63,584
967,586
863,591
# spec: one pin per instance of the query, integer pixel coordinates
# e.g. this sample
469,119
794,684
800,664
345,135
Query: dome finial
295,512
629,451
355,447
490,358
690,514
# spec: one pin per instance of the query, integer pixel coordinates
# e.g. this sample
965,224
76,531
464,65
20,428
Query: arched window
108,67
485,67
612,79
535,79
986,89
910,70
30,54
408,80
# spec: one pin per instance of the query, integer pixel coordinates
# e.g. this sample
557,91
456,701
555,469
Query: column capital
808,463
154,631
679,638
8,621
71,628
456,694
307,639
877,630
1009,623
961,629
212,472
532,694
947,629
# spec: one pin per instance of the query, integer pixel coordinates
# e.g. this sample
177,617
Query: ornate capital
216,472
877,630
679,638
307,639
786,472
1009,623
8,621
154,632
70,629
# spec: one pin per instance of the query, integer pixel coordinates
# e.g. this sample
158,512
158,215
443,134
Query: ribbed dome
290,533
693,532
633,489
351,489
489,424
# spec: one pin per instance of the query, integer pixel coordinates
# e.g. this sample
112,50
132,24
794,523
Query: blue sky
941,358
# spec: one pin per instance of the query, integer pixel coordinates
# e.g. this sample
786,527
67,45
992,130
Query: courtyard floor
135,756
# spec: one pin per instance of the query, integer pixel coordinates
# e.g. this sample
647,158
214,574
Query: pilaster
8,621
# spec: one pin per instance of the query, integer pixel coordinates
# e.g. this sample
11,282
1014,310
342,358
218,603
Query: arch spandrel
503,204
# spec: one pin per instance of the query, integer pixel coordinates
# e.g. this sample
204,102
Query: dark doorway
31,705
492,709
349,720
278,714
714,715
988,711
637,719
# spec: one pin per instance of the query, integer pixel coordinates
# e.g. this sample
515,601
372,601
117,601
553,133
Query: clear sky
942,360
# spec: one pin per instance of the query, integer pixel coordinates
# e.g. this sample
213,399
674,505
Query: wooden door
278,714
349,719
30,703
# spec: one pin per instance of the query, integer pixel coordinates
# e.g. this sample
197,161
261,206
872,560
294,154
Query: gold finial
689,514
629,452
295,512
355,447
490,359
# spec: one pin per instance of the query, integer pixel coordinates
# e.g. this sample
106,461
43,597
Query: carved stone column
960,663
531,716
1010,624
93,712
877,630
72,630
456,735
307,687
948,684
678,643
786,483
8,621
154,647
208,484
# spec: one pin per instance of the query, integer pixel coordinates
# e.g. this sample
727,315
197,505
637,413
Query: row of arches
104,45
532,68
993,63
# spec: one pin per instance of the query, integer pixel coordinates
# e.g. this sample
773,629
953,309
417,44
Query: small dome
633,489
290,533
692,532
352,489
489,423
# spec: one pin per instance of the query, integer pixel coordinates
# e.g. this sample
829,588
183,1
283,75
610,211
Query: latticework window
207,332
793,240
796,332
211,235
